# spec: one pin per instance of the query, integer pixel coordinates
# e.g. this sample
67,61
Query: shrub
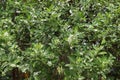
60,40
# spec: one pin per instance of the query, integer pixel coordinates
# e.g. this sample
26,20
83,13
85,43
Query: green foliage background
60,39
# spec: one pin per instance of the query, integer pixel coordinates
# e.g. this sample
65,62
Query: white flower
49,63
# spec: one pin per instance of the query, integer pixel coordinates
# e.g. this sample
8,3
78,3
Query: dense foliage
60,39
